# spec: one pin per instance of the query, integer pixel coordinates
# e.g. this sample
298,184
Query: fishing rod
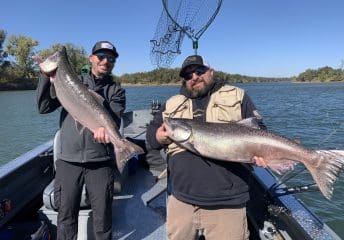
295,189
277,191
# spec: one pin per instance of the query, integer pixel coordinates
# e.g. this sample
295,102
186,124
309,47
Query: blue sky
271,38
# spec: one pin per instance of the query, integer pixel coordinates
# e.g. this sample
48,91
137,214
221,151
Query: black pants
69,181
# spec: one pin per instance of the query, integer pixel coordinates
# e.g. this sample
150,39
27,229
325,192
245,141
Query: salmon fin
325,166
52,89
97,97
251,122
125,151
281,166
192,149
297,141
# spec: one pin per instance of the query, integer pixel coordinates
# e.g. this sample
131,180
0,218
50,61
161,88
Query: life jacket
224,106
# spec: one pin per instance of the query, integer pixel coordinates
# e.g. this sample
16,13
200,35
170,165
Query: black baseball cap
104,45
192,60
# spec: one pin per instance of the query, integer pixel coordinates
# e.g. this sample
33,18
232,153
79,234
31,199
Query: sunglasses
102,56
198,71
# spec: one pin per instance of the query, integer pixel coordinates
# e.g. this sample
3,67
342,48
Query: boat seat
158,160
48,193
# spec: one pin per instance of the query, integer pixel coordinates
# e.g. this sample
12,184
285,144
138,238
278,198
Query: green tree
327,74
323,74
77,55
22,48
307,76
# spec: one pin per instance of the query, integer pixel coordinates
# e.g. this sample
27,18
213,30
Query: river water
312,113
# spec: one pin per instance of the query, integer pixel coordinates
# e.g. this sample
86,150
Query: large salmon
85,106
239,143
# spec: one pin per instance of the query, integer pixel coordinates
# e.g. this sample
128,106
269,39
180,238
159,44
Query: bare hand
39,61
100,136
260,162
162,136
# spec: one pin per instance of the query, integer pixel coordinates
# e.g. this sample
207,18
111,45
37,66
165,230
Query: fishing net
180,18
165,45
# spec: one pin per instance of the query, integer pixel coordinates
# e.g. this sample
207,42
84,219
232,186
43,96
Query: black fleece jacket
76,146
202,181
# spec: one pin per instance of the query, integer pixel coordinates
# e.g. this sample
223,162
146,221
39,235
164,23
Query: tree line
18,70
171,76
323,74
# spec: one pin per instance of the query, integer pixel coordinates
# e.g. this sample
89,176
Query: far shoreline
25,88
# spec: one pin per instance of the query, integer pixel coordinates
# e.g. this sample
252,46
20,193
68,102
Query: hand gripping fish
239,143
85,106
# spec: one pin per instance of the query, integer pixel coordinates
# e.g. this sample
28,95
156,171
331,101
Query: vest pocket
178,112
228,111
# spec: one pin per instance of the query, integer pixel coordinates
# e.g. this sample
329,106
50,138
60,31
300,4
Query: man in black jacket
85,157
207,196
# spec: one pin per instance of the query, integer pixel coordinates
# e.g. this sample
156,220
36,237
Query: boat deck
139,208
132,218
137,212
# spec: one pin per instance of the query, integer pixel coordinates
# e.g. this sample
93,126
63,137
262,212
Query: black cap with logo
104,45
192,60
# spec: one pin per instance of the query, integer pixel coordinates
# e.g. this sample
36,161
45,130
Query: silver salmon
85,106
239,143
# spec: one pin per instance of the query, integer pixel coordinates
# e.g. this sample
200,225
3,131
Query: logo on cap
106,45
193,58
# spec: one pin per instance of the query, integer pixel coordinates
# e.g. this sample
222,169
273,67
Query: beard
196,93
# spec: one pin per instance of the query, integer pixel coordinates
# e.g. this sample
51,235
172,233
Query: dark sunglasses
198,71
101,57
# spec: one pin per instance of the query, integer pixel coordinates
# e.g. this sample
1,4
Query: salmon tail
125,151
325,166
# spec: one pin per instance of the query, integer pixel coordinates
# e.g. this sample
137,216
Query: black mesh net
165,45
180,18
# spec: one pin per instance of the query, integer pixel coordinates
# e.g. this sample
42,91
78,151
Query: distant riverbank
31,84
16,85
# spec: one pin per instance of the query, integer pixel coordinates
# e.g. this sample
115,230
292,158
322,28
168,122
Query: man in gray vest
207,197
